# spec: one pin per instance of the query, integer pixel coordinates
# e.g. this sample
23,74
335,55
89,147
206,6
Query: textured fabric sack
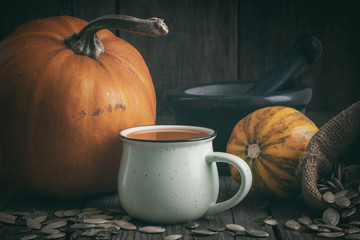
325,148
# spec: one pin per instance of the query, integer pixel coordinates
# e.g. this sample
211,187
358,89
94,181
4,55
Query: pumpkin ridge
278,172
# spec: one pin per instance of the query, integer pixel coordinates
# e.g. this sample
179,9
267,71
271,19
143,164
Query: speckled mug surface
174,181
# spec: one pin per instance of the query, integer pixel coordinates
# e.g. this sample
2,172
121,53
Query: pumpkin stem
87,43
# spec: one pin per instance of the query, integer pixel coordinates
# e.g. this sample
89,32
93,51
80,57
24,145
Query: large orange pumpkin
271,140
65,94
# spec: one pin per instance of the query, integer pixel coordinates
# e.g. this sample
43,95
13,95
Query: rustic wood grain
228,40
249,211
201,45
268,30
291,210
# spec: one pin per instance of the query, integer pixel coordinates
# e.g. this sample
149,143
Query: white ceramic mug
173,181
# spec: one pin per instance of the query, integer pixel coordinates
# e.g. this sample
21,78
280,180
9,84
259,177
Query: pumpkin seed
271,222
257,233
107,225
313,227
7,220
342,202
101,216
305,220
90,209
152,229
88,213
354,223
352,194
203,232
331,227
55,235
57,224
337,183
40,218
216,229
234,227
348,212
341,193
331,216
49,230
71,213
28,237
330,234
125,225
192,225
31,223
173,237
59,213
292,224
328,197
4,215
94,220
352,230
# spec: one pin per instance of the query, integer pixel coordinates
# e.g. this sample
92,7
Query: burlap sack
326,147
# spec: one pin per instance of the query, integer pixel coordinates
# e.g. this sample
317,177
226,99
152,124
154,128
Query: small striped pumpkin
271,140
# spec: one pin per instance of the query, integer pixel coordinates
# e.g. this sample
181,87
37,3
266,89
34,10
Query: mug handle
246,180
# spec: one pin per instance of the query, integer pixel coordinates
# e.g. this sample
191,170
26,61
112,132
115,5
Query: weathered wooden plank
269,28
7,193
89,10
17,12
291,209
23,202
201,45
249,211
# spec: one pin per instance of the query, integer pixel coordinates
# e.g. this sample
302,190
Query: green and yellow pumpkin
271,140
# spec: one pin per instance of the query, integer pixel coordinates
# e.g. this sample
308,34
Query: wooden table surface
246,214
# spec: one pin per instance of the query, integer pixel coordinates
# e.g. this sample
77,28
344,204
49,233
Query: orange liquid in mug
168,134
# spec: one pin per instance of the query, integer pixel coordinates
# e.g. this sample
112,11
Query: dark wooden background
213,40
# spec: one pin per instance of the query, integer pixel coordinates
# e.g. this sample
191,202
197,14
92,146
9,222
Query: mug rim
123,133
